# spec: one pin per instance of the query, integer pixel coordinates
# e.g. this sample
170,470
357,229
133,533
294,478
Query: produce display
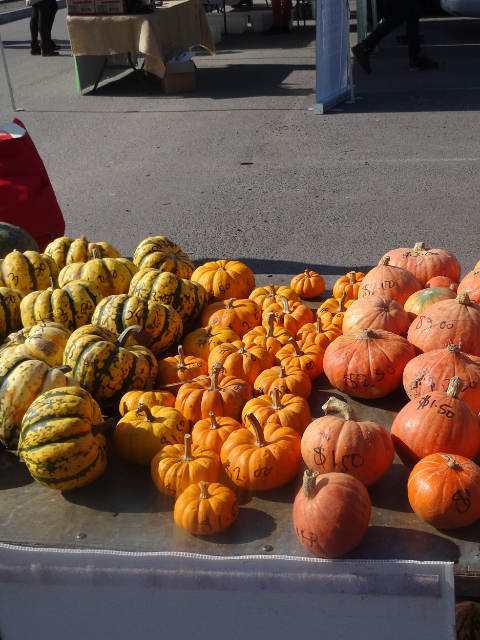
209,380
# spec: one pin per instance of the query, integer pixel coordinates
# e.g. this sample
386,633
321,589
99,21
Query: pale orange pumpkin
241,361
471,284
308,358
308,284
349,283
265,296
421,300
426,263
224,279
212,432
314,334
288,314
292,381
390,281
201,342
442,281
178,369
270,338
206,508
376,312
274,412
239,315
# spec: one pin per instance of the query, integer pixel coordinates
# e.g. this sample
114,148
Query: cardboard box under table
162,35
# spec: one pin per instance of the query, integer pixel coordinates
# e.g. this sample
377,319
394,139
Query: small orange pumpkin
265,296
288,314
132,399
212,432
241,361
179,369
287,380
332,311
205,508
201,342
349,283
314,334
238,315
308,284
273,412
225,278
307,358
270,338
376,312
388,280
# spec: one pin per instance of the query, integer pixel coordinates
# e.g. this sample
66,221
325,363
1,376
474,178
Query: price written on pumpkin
307,540
356,380
370,289
347,460
427,323
462,502
443,409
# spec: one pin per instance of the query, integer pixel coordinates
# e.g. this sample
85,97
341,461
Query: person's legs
45,27
286,13
35,49
400,14
277,13
413,28
53,13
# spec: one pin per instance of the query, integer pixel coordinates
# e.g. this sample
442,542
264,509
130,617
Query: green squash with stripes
188,298
10,318
59,439
22,379
161,321
108,365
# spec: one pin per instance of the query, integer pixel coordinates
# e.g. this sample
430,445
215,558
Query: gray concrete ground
241,168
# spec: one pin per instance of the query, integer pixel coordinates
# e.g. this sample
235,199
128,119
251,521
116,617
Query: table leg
138,75
102,71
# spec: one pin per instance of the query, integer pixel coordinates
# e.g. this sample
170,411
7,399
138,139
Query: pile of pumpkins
212,375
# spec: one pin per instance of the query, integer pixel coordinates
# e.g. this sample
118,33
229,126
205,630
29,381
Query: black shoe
54,46
362,56
242,3
35,49
421,62
274,31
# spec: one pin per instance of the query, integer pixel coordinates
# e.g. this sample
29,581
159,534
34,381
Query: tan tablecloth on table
167,32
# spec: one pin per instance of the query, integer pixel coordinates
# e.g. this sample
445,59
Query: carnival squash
10,318
158,252
45,341
66,250
111,275
26,272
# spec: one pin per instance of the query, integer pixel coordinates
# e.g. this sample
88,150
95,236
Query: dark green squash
12,237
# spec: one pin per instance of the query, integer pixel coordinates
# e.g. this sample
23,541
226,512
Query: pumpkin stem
258,430
203,491
214,424
181,358
451,462
214,377
463,298
364,334
452,286
475,271
123,337
319,326
229,304
95,254
341,303
286,308
54,283
307,273
277,403
143,408
187,443
208,334
148,384
334,404
296,348
453,348
283,373
419,246
84,238
309,481
384,261
352,276
270,321
102,426
64,368
454,387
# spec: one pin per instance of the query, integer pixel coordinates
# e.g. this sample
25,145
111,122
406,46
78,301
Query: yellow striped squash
45,341
10,319
28,271
161,253
66,250
72,305
22,379
111,275
186,297
108,365
57,443
161,321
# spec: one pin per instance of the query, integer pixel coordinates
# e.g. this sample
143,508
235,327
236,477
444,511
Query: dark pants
43,15
402,11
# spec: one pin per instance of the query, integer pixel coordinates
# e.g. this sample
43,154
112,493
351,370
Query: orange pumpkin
201,342
270,338
273,412
179,369
241,361
314,334
444,491
132,399
343,444
349,283
433,370
256,461
239,315
177,466
448,322
426,263
265,296
376,312
471,284
205,508
226,398
307,358
224,279
212,432
369,364
421,300
438,422
442,281
332,311
308,284
331,513
289,315
287,380
390,281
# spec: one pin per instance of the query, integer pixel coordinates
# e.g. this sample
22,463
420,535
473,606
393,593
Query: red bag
27,199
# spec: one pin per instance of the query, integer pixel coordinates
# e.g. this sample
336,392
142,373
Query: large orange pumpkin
273,412
241,361
390,281
471,284
444,491
314,333
291,380
179,369
376,312
349,283
307,358
201,342
421,300
212,432
270,338
226,398
206,508
448,322
438,422
224,279
265,296
432,371
308,284
239,315
256,461
368,364
345,445
331,513
289,315
426,263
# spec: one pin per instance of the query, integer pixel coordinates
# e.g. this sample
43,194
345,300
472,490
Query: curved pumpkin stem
143,408
453,348
451,462
181,358
384,261
123,337
364,334
352,276
277,403
214,377
308,484
463,298
95,254
454,387
334,404
270,320
103,426
341,303
54,283
214,424
258,430
229,304
203,491
419,246
64,368
296,348
286,308
207,335
187,443
283,373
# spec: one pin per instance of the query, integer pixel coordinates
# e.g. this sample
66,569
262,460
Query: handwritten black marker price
462,503
310,538
443,409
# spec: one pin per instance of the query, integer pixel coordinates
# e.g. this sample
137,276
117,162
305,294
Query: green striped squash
66,250
111,275
108,365
72,305
186,297
161,253
22,379
57,443
10,319
161,321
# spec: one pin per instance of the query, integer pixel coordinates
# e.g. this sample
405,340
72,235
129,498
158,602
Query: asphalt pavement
242,169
